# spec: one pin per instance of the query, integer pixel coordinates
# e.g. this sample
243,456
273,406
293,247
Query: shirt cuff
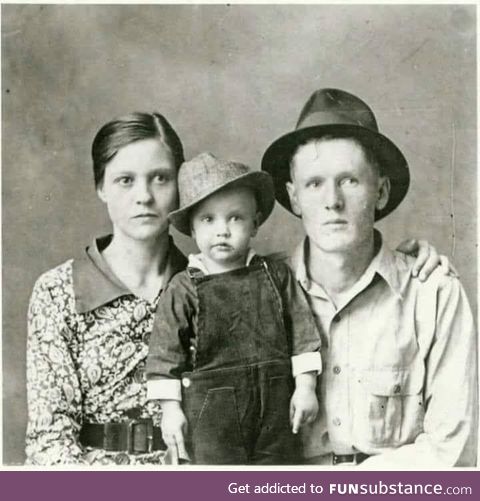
306,362
164,389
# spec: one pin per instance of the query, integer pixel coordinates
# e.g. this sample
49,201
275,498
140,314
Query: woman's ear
101,193
292,194
383,192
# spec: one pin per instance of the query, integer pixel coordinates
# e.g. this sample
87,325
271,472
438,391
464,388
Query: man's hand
428,259
304,403
174,427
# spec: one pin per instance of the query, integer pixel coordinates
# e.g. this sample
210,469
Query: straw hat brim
276,160
260,182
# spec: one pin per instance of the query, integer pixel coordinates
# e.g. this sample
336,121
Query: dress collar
95,284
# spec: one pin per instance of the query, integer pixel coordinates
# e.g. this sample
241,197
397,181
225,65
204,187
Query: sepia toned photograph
239,235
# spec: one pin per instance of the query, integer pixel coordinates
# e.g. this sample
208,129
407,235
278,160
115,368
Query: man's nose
333,196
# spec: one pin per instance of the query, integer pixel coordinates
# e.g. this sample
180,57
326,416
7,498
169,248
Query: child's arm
174,428
304,403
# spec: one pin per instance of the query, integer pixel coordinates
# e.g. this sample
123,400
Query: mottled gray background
231,80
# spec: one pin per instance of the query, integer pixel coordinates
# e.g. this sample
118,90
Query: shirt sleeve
173,329
299,322
53,390
449,436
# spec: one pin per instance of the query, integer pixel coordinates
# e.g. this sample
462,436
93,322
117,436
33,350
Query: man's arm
449,436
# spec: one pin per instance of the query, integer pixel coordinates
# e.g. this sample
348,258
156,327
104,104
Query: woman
90,318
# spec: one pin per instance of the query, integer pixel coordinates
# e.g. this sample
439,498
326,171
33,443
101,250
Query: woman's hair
127,129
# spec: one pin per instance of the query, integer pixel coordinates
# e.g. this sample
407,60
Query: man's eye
349,181
313,184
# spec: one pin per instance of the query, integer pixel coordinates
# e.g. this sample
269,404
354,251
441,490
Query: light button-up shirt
399,359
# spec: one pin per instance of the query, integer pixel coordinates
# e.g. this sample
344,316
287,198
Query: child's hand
304,403
174,427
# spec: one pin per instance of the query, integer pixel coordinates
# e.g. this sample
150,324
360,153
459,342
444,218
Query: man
399,385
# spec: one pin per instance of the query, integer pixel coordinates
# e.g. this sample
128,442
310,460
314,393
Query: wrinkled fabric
400,367
86,352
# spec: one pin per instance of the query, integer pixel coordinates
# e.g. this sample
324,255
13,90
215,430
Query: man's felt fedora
336,113
205,174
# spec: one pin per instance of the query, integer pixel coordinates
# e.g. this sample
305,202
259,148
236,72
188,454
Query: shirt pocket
394,407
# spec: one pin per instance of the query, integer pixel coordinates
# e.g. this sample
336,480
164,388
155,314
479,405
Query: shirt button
186,382
337,318
138,376
396,388
337,370
192,349
336,421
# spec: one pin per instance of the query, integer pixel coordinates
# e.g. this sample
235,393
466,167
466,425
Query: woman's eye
125,180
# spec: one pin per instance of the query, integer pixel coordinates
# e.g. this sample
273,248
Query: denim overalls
237,396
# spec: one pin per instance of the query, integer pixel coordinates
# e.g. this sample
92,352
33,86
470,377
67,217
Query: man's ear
383,192
292,194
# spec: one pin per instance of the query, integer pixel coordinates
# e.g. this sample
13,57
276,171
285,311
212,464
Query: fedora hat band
338,117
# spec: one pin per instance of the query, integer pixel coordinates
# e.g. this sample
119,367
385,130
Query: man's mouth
335,222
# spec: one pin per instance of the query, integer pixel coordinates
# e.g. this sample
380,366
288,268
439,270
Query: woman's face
140,189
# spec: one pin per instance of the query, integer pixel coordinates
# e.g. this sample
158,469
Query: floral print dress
86,349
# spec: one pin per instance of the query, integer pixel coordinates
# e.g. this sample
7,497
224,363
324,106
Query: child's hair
127,129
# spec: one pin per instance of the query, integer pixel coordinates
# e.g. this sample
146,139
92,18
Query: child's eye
160,179
206,219
236,218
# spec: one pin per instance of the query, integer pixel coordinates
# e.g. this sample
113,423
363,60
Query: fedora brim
276,160
260,182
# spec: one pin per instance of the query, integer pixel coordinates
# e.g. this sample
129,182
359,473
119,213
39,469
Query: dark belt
135,436
349,458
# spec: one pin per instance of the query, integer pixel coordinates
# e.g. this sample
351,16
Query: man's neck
338,272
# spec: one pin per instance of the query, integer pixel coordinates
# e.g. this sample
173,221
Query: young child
231,330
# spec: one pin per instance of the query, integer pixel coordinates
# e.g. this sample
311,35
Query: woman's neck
139,264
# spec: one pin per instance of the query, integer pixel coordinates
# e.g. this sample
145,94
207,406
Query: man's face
335,190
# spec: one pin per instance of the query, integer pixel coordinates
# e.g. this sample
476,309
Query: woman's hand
304,403
174,427
428,259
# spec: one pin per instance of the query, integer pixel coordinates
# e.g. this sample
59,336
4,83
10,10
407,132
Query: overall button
337,421
337,370
186,382
396,388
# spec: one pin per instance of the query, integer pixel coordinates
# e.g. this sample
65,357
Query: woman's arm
53,390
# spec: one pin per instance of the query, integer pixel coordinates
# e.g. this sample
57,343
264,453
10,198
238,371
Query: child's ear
256,222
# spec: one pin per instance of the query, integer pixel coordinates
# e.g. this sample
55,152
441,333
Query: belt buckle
131,424
336,457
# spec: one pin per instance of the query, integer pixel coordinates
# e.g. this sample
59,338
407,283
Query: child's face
222,226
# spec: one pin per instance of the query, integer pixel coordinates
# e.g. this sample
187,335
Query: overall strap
274,280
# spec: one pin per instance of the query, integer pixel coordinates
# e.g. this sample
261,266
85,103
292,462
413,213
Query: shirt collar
382,264
197,261
95,284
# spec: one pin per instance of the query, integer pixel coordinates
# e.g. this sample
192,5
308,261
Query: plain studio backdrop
230,79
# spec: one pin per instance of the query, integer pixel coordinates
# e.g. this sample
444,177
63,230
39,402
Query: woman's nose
143,193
